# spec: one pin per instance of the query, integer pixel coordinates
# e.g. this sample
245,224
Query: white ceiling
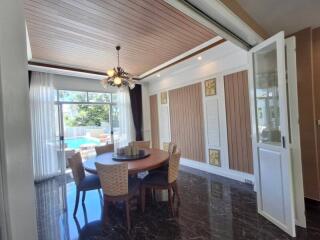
287,15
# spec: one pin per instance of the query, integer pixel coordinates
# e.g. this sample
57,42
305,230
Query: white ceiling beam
71,73
179,57
216,16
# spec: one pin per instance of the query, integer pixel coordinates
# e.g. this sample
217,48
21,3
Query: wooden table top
156,159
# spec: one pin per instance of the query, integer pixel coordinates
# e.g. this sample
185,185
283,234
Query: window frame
60,103
57,100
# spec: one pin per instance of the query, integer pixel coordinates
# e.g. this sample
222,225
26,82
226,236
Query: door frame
284,150
295,146
4,218
3,214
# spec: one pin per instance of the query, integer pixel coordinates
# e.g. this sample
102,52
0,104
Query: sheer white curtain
126,128
44,146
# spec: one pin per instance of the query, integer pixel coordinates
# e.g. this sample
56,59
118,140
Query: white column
15,135
146,111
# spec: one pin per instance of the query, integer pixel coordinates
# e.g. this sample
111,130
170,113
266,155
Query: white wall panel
216,62
146,112
213,126
164,124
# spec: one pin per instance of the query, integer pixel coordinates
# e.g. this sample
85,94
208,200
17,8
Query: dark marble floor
212,207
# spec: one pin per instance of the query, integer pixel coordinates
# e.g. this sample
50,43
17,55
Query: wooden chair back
75,163
113,178
104,149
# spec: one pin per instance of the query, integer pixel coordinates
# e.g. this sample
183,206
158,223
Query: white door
270,133
294,128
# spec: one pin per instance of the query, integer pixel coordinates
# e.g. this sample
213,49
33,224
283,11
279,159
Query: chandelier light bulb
117,81
118,77
110,72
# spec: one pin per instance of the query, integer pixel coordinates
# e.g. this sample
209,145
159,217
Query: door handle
283,142
318,122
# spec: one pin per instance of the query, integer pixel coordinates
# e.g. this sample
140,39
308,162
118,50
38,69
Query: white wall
146,128
223,58
79,84
15,135
216,62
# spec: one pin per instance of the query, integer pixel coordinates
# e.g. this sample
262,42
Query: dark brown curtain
136,107
29,77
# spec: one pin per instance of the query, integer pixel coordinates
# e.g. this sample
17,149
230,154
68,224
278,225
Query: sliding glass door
85,120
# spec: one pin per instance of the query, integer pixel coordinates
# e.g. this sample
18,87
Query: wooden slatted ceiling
186,121
84,34
154,117
238,121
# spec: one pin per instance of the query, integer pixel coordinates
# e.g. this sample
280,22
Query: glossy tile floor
212,207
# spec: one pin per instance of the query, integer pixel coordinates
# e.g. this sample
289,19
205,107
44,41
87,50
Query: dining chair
164,180
171,150
104,149
117,187
83,182
141,144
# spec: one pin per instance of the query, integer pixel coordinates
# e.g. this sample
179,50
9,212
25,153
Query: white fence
71,132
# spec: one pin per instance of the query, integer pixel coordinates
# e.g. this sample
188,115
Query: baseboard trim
235,175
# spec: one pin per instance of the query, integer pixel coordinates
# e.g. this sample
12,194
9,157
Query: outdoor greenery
88,115
78,96
72,96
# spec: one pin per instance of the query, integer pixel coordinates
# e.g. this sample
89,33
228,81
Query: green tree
89,115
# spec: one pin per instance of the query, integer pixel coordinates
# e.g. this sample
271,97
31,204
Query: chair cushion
90,182
157,178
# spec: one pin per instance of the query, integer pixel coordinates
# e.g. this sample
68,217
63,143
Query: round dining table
156,159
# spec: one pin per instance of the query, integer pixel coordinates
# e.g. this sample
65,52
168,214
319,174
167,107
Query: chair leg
176,192
154,198
139,202
83,196
143,198
173,194
85,213
170,200
128,214
100,195
77,203
105,211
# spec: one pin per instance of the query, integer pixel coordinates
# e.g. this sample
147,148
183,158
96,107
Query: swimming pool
75,143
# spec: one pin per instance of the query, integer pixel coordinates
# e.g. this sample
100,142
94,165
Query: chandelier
117,77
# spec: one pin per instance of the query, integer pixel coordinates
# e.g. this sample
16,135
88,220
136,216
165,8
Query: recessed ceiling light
199,58
158,75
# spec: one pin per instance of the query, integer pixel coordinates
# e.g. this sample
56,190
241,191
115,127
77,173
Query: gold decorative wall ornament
164,97
210,87
214,157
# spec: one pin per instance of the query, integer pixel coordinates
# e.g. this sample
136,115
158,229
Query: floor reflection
212,207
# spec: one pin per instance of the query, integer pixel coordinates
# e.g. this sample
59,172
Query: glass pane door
115,122
272,161
59,138
86,126
267,95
